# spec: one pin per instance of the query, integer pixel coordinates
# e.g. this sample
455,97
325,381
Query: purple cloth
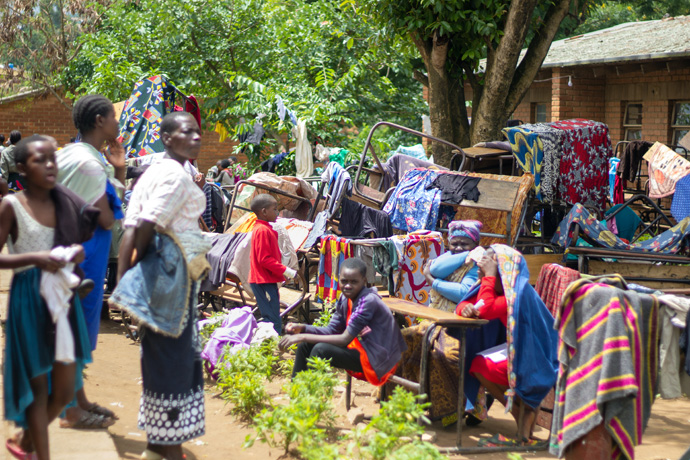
237,331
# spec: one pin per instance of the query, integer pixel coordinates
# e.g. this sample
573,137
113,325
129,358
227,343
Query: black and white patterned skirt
172,403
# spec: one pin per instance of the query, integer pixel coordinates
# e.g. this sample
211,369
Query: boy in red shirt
266,269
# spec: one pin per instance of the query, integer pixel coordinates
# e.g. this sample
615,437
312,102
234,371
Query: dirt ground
114,381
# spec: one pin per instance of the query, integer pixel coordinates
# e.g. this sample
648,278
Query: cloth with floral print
671,241
411,207
151,99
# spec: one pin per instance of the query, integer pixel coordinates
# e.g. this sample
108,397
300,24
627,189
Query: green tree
39,38
333,68
452,36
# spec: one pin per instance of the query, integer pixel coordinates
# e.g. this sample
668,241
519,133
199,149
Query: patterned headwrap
467,228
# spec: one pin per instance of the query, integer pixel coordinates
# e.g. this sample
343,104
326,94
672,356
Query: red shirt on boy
265,259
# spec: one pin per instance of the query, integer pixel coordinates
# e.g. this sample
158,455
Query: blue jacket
156,290
443,266
373,323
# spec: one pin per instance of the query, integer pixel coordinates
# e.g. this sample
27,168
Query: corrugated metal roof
632,41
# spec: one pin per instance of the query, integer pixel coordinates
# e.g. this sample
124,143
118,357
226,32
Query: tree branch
536,52
421,78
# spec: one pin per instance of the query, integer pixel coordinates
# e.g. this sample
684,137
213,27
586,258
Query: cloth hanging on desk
339,182
626,222
333,252
552,283
456,187
584,164
151,99
552,140
418,249
680,207
631,158
317,230
366,253
304,162
666,168
613,167
191,105
413,206
671,241
608,353
386,262
528,151
358,220
220,256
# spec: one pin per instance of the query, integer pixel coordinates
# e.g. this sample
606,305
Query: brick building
635,77
40,112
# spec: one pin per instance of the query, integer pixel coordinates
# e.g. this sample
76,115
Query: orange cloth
369,375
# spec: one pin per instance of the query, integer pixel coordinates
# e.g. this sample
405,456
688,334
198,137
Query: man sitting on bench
362,336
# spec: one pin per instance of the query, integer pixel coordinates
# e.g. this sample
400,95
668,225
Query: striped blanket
608,355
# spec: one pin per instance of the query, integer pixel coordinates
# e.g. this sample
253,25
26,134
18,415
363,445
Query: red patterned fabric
585,162
553,280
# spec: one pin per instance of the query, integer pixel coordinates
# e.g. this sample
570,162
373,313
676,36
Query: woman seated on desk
530,371
450,279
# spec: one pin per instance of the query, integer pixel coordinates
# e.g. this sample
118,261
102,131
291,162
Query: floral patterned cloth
669,242
666,168
417,249
552,140
528,151
584,164
412,207
151,99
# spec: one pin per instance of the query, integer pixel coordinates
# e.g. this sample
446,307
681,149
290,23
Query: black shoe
85,288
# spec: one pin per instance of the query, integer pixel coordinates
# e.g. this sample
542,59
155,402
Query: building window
539,113
681,121
632,123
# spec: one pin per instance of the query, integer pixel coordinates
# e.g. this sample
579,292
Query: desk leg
424,365
461,386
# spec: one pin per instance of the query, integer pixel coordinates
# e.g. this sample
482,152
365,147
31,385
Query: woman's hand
426,271
200,180
488,266
115,153
45,261
289,340
294,328
469,312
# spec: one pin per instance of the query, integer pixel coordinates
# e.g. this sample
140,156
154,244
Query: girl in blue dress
36,386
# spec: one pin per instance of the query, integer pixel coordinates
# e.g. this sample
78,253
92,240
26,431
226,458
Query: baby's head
265,207
353,277
35,158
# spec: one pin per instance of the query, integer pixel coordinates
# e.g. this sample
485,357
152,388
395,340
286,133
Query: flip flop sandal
17,452
498,440
100,410
90,421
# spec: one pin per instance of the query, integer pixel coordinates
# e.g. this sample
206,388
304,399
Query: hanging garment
270,164
528,151
413,206
608,355
613,167
151,99
339,182
415,151
220,257
552,140
456,187
552,283
303,157
631,158
358,220
386,262
317,230
685,344
366,253
280,108
626,222
666,168
671,241
395,167
254,136
673,315
418,249
680,207
333,252
584,165
191,105
618,192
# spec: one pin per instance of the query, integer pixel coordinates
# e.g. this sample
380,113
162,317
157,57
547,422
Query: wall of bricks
47,115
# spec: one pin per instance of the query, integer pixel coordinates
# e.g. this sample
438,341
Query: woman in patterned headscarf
450,278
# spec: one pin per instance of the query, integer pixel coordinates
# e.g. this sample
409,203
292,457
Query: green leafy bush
305,421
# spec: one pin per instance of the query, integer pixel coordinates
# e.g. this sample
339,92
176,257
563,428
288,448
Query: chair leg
348,392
